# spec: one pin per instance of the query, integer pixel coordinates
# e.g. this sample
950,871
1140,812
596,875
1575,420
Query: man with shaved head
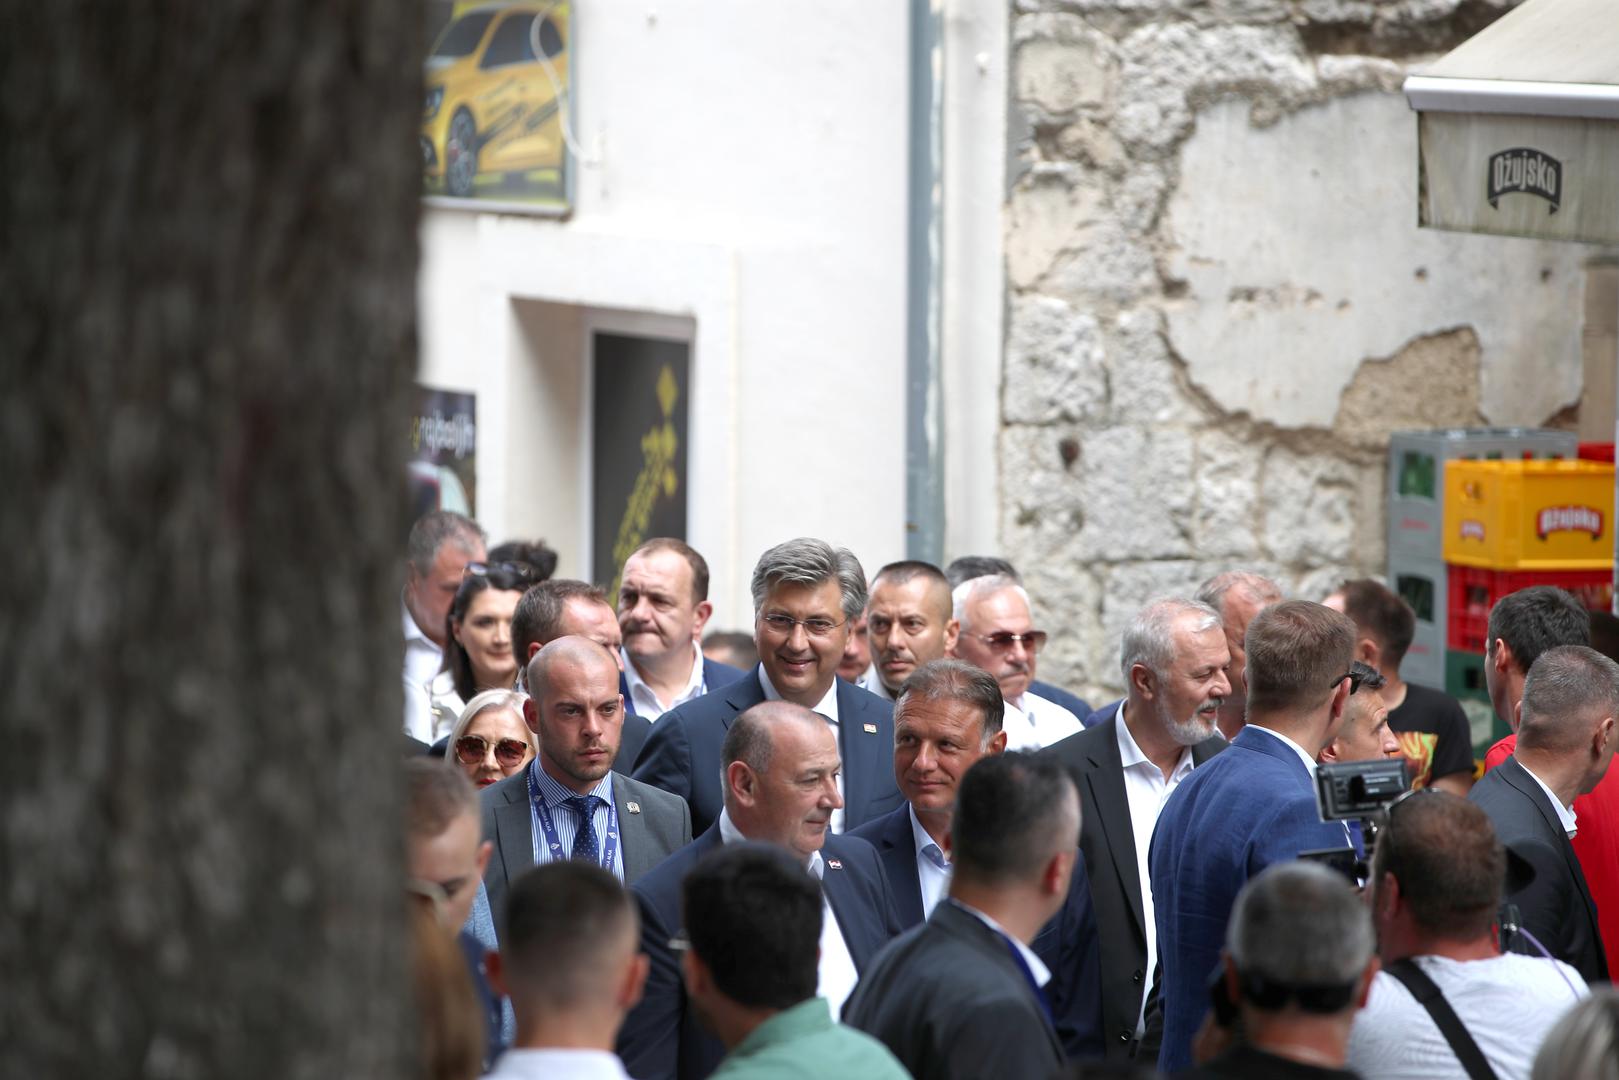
779,766
569,803
909,622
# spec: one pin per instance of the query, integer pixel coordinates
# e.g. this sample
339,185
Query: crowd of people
866,841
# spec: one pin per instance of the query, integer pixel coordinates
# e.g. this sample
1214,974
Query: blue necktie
584,841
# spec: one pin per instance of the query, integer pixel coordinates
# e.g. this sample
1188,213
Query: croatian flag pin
871,729
835,864
633,807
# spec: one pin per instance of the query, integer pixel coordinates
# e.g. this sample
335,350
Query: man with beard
909,622
1175,659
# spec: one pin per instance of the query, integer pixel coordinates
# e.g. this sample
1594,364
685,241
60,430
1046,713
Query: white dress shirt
1032,722
644,700
836,970
827,707
422,661
932,868
558,1064
1145,792
1565,814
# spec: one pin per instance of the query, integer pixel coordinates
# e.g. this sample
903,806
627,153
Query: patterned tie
584,840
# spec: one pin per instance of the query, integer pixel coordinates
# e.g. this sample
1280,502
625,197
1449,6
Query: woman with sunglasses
490,741
478,638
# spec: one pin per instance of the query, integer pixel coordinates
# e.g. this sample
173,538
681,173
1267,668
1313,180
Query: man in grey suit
961,996
1174,656
569,803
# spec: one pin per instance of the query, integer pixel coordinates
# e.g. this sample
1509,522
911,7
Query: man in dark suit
948,717
805,594
1566,740
1174,657
1248,807
662,609
961,996
780,763
568,803
564,608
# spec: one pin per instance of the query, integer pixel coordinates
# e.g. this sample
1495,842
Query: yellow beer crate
1529,515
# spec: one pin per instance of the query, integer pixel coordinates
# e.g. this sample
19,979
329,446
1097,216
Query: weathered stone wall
1220,304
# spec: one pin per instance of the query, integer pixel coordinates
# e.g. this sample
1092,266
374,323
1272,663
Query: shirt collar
926,846
806,1018
694,684
1565,814
730,834
1309,762
1130,751
555,795
827,706
1037,967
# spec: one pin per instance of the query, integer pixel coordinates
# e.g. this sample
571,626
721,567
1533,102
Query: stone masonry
1219,303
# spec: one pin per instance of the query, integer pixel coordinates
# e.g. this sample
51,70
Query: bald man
568,802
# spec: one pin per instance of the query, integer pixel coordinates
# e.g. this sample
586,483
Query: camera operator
1435,889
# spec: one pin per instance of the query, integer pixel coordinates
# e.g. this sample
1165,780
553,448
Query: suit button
1124,1036
1137,976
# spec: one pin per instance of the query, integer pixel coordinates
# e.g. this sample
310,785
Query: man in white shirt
997,633
1127,763
662,609
440,546
909,622
1435,889
571,963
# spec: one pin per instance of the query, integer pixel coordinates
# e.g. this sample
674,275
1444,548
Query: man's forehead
937,714
793,594
1194,648
918,596
577,679
1003,606
662,567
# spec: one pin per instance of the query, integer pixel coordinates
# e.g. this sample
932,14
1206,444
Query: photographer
1435,888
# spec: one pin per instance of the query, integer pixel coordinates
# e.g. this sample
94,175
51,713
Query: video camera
1356,791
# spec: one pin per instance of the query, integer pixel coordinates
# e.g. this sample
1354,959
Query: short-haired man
732,648
962,995
998,635
1174,658
1435,892
805,595
562,608
1238,595
779,766
569,803
1364,735
1297,966
947,718
969,567
909,622
440,546
570,962
1429,724
662,609
1566,740
1250,806
753,926
856,666
444,854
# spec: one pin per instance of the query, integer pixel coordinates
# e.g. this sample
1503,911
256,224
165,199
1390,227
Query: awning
1518,128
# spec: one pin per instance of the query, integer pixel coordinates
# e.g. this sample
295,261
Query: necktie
584,840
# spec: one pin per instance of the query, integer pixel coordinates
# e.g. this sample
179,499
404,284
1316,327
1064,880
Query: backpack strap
1450,1025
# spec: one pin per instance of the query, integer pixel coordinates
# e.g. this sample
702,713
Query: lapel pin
871,729
633,807
835,864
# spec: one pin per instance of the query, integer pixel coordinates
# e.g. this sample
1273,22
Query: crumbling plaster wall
1219,303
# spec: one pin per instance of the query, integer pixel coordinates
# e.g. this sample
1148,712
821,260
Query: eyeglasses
483,569
814,627
474,750
1355,679
1034,640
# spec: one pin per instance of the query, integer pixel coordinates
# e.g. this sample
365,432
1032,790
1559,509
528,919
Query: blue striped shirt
563,820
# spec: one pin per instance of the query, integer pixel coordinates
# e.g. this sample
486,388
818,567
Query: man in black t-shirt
1434,735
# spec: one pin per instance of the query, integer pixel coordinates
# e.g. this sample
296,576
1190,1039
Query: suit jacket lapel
514,830
1519,778
742,695
1106,778
853,910
634,840
897,846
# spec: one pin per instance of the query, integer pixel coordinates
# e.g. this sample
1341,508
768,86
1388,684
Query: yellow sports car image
497,82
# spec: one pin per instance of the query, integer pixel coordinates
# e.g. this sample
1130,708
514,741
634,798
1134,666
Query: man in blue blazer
805,595
1249,807
780,762
662,609
949,716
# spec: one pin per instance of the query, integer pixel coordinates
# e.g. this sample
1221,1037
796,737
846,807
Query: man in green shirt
753,928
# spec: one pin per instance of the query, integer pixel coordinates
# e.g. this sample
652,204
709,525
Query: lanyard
543,814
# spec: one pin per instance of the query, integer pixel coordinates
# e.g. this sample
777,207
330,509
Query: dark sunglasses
1355,679
483,569
474,750
1033,641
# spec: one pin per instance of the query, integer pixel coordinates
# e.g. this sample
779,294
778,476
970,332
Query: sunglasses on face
482,569
474,750
1033,641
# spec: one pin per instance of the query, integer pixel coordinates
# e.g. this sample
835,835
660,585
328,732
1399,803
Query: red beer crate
1472,592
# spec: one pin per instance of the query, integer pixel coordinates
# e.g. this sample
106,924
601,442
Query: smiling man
780,767
997,634
909,622
662,609
806,593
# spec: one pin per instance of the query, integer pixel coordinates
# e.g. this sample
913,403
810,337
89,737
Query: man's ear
1386,897
740,779
694,973
1364,991
701,614
1369,652
531,715
1502,659
484,850
629,994
1329,753
997,743
1142,681
533,647
1340,700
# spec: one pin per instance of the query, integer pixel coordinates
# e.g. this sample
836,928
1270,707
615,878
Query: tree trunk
207,331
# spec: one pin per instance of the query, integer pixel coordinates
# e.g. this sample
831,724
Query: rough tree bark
207,329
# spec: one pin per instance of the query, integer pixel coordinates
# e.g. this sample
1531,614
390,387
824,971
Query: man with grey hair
998,635
806,593
440,546
1566,740
1238,595
1174,658
1297,966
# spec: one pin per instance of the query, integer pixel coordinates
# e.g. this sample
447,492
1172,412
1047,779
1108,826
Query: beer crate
1471,593
1529,515
1464,681
1422,583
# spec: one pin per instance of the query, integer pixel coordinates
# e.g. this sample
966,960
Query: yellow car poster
497,114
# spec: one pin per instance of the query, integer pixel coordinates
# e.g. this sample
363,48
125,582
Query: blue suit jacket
1076,705
1238,813
682,754
715,675
661,1038
1067,944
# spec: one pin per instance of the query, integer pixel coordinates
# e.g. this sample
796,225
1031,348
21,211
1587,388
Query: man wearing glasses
806,593
998,635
